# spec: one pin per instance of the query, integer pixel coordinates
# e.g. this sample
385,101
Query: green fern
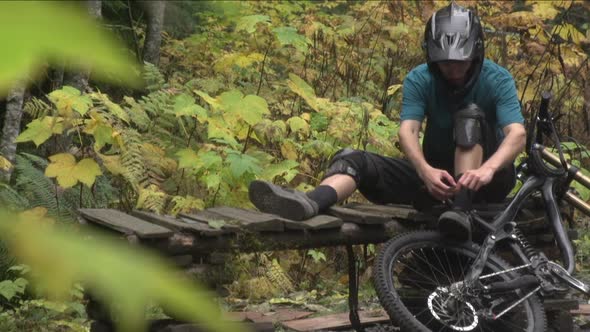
6,261
152,77
185,204
131,158
33,185
152,199
37,108
275,274
158,103
137,114
11,199
84,197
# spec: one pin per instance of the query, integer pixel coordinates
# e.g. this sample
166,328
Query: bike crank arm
558,271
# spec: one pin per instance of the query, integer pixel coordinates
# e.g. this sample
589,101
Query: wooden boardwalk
227,228
191,239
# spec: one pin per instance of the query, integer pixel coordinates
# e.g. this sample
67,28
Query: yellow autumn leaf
570,33
545,10
289,150
36,215
62,167
86,171
241,60
112,164
5,164
393,89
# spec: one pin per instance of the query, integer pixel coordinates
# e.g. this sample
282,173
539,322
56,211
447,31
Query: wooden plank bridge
193,238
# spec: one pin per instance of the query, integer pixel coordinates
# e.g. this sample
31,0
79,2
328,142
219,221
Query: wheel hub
452,311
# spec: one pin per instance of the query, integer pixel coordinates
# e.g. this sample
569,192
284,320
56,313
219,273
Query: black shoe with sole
285,202
455,224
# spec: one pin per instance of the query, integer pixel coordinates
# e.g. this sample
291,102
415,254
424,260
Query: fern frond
185,204
11,199
274,272
32,183
153,78
158,103
37,108
134,170
158,166
151,199
6,261
39,162
137,114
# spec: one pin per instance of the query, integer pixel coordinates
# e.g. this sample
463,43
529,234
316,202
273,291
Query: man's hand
439,182
476,178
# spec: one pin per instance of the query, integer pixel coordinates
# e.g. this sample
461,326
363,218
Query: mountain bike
427,282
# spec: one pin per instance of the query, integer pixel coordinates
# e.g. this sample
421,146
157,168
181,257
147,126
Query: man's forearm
410,143
511,146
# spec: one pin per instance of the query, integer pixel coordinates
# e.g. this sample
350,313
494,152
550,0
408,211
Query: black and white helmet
455,33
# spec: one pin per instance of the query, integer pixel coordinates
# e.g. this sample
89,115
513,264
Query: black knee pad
347,161
469,126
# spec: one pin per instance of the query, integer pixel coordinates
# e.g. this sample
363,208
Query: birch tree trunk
79,79
11,129
153,39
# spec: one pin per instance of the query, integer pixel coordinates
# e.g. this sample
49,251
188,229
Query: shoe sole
453,229
268,200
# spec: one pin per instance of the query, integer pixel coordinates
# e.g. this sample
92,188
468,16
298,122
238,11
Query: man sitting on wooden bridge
474,130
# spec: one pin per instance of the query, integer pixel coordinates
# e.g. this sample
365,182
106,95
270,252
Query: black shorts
395,180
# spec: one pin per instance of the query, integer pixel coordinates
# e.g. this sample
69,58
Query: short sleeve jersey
494,92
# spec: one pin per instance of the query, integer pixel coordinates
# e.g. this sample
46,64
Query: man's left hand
476,178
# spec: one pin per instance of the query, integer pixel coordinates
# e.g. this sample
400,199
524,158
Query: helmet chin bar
458,92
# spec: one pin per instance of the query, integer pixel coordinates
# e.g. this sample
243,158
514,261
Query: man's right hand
440,183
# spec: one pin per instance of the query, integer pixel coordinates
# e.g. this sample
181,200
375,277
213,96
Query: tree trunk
79,79
11,129
153,39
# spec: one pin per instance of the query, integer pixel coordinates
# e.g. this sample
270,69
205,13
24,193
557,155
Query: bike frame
538,180
497,230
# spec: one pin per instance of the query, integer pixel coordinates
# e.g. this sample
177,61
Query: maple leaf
63,166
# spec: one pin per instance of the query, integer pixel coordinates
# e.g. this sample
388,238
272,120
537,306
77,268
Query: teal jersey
494,92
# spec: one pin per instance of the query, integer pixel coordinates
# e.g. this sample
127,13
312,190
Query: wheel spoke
420,269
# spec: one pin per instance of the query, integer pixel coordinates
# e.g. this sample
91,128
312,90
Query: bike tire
398,307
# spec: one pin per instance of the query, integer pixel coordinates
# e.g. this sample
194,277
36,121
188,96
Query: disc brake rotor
451,311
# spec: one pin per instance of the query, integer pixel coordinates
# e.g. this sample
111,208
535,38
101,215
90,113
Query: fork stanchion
570,197
577,202
554,160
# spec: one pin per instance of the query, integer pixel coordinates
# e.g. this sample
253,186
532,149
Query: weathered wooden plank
125,223
405,212
362,234
207,217
251,220
323,221
287,223
182,225
336,321
561,304
279,315
168,325
206,230
358,217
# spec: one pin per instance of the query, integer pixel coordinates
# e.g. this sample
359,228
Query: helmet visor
451,38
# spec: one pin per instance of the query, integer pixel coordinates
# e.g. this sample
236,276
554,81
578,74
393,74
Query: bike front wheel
412,277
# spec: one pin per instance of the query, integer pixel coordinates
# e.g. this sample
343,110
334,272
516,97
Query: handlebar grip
543,111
